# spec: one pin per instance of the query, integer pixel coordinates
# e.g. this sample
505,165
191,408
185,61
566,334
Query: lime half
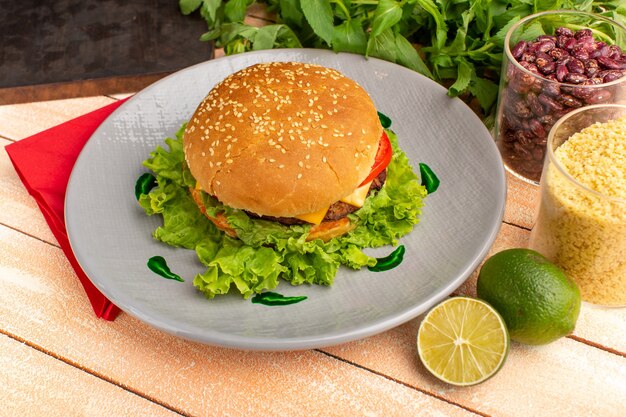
463,341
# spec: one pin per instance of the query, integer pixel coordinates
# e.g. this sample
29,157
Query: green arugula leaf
265,37
541,5
408,56
235,10
486,92
211,11
319,14
290,13
189,6
383,46
286,38
498,38
388,13
441,32
465,72
349,37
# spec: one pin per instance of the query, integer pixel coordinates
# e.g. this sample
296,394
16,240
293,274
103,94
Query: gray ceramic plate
111,236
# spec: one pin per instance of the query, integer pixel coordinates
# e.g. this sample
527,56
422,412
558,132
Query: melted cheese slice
356,199
358,196
315,217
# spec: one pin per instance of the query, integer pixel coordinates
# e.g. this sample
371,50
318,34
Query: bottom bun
325,231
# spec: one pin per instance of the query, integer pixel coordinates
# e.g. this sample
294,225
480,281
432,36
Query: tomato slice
382,159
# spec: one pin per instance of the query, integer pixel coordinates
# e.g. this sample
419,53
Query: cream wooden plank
41,301
603,326
259,10
255,21
565,378
522,202
120,96
36,384
18,121
17,208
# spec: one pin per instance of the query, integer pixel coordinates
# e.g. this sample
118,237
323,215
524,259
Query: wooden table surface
58,359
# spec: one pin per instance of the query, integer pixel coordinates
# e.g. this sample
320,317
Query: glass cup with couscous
581,222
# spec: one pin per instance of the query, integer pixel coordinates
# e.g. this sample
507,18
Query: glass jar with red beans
554,62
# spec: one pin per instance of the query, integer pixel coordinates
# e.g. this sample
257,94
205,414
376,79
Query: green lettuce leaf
268,251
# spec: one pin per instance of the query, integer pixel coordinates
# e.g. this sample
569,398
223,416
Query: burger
288,142
284,171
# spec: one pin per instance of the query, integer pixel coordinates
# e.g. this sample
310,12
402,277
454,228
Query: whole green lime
538,302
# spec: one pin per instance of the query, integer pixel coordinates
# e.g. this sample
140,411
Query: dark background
91,47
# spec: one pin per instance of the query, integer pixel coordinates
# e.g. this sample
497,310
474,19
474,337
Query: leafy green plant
458,43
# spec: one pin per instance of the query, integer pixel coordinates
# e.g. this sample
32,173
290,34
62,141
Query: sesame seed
299,176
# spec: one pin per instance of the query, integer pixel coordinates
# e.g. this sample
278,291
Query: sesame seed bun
283,139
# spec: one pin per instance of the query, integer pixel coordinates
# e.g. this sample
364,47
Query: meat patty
336,211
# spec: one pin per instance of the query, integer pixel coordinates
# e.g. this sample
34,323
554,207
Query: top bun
282,139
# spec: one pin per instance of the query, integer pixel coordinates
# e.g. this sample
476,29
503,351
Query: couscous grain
583,228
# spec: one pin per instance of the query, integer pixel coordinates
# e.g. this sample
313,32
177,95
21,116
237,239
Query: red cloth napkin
44,162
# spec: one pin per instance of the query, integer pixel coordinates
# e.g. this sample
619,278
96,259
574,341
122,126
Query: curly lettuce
268,251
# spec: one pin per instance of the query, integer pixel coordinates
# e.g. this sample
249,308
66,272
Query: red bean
519,49
563,31
591,67
569,101
576,66
557,53
550,104
599,96
608,63
545,45
583,33
573,78
561,72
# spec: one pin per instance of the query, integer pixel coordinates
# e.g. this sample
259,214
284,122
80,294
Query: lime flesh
463,341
